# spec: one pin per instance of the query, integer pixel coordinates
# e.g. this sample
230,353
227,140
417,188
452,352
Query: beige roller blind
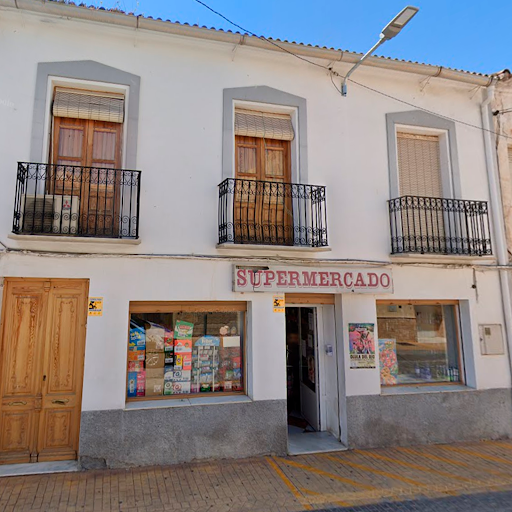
419,165
252,123
88,105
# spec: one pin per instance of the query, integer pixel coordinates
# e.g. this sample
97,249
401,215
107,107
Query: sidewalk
308,482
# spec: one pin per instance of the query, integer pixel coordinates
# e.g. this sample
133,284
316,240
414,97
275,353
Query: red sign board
318,280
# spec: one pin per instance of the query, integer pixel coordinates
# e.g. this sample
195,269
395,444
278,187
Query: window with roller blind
87,147
419,174
419,165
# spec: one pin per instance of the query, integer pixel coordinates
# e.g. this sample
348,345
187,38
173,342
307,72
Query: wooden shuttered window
419,170
97,106
419,165
263,210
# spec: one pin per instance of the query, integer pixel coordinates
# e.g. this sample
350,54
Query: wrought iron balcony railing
272,213
76,201
432,225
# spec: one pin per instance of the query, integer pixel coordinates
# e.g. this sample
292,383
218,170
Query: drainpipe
498,220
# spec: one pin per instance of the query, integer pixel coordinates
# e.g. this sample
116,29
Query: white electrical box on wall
491,340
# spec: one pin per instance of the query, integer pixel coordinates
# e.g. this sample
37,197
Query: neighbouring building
208,251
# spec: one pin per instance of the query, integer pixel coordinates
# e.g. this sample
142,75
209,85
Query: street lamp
388,32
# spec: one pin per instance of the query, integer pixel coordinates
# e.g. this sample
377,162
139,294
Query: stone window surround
266,98
85,70
418,121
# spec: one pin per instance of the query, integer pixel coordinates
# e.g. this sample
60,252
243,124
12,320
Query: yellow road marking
416,466
340,503
505,445
449,461
325,473
288,483
481,455
376,471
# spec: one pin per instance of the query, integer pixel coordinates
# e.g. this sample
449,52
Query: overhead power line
335,73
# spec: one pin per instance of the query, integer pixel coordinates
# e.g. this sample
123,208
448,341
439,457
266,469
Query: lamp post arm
361,60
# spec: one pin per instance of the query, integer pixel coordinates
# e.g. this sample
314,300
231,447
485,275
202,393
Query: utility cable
335,73
264,38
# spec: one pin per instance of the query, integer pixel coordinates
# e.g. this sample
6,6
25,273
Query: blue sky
464,34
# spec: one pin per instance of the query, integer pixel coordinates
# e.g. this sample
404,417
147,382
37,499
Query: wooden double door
263,194
41,368
88,158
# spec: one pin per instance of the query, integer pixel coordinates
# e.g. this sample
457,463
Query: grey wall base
443,417
144,437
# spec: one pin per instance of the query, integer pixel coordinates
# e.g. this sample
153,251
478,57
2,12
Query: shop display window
185,349
419,343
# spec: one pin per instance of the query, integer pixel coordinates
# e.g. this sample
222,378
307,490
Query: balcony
432,225
272,213
76,201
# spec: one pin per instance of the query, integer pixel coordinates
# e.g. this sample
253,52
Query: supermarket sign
308,279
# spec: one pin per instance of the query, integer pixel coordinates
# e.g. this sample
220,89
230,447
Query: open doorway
301,364
312,389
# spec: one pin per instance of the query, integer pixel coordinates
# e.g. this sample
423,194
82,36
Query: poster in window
361,345
388,362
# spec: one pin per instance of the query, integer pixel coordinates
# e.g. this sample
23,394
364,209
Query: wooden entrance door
95,146
263,202
41,368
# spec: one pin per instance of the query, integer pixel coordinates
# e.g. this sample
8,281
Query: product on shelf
136,355
135,366
155,360
137,337
132,384
154,387
154,373
141,383
183,330
155,337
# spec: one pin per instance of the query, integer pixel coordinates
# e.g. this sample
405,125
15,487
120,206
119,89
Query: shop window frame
140,307
460,342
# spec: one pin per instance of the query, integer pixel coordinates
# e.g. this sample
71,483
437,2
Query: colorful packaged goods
183,354
135,366
167,387
137,337
182,346
136,355
178,375
183,330
179,388
141,383
132,385
169,340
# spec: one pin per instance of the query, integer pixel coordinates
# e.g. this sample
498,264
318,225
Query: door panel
309,373
63,364
24,318
41,367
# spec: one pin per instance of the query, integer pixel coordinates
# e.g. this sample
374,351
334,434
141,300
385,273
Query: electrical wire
335,73
264,38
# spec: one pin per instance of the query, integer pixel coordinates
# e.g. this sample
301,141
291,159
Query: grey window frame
84,70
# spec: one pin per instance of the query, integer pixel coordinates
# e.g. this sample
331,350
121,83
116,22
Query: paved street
462,477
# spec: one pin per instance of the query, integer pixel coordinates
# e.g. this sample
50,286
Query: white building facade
166,187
